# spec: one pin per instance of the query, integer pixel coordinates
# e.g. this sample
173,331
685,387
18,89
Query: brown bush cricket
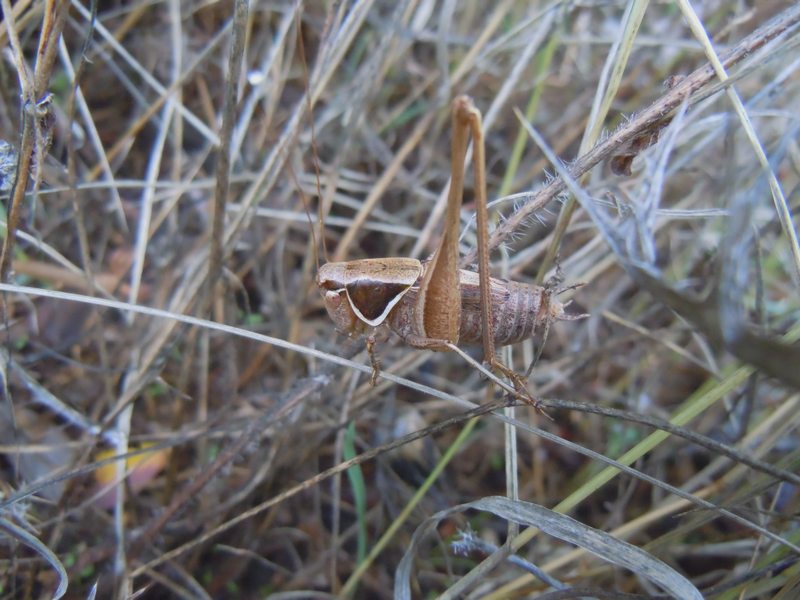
433,304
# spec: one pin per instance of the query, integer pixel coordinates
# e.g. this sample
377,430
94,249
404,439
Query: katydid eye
331,285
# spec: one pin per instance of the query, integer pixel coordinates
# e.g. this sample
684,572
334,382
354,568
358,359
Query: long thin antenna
310,109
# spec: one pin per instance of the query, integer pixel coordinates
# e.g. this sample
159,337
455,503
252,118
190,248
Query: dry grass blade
187,130
224,159
781,205
35,113
25,537
562,527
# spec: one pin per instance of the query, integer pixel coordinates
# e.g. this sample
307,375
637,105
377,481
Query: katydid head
340,311
360,294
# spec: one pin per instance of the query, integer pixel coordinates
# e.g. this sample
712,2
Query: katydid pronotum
433,304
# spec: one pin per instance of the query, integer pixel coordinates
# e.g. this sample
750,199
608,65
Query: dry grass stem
179,417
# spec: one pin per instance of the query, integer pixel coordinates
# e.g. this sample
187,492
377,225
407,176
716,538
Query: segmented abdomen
518,310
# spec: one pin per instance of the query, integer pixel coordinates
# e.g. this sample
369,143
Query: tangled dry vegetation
159,303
